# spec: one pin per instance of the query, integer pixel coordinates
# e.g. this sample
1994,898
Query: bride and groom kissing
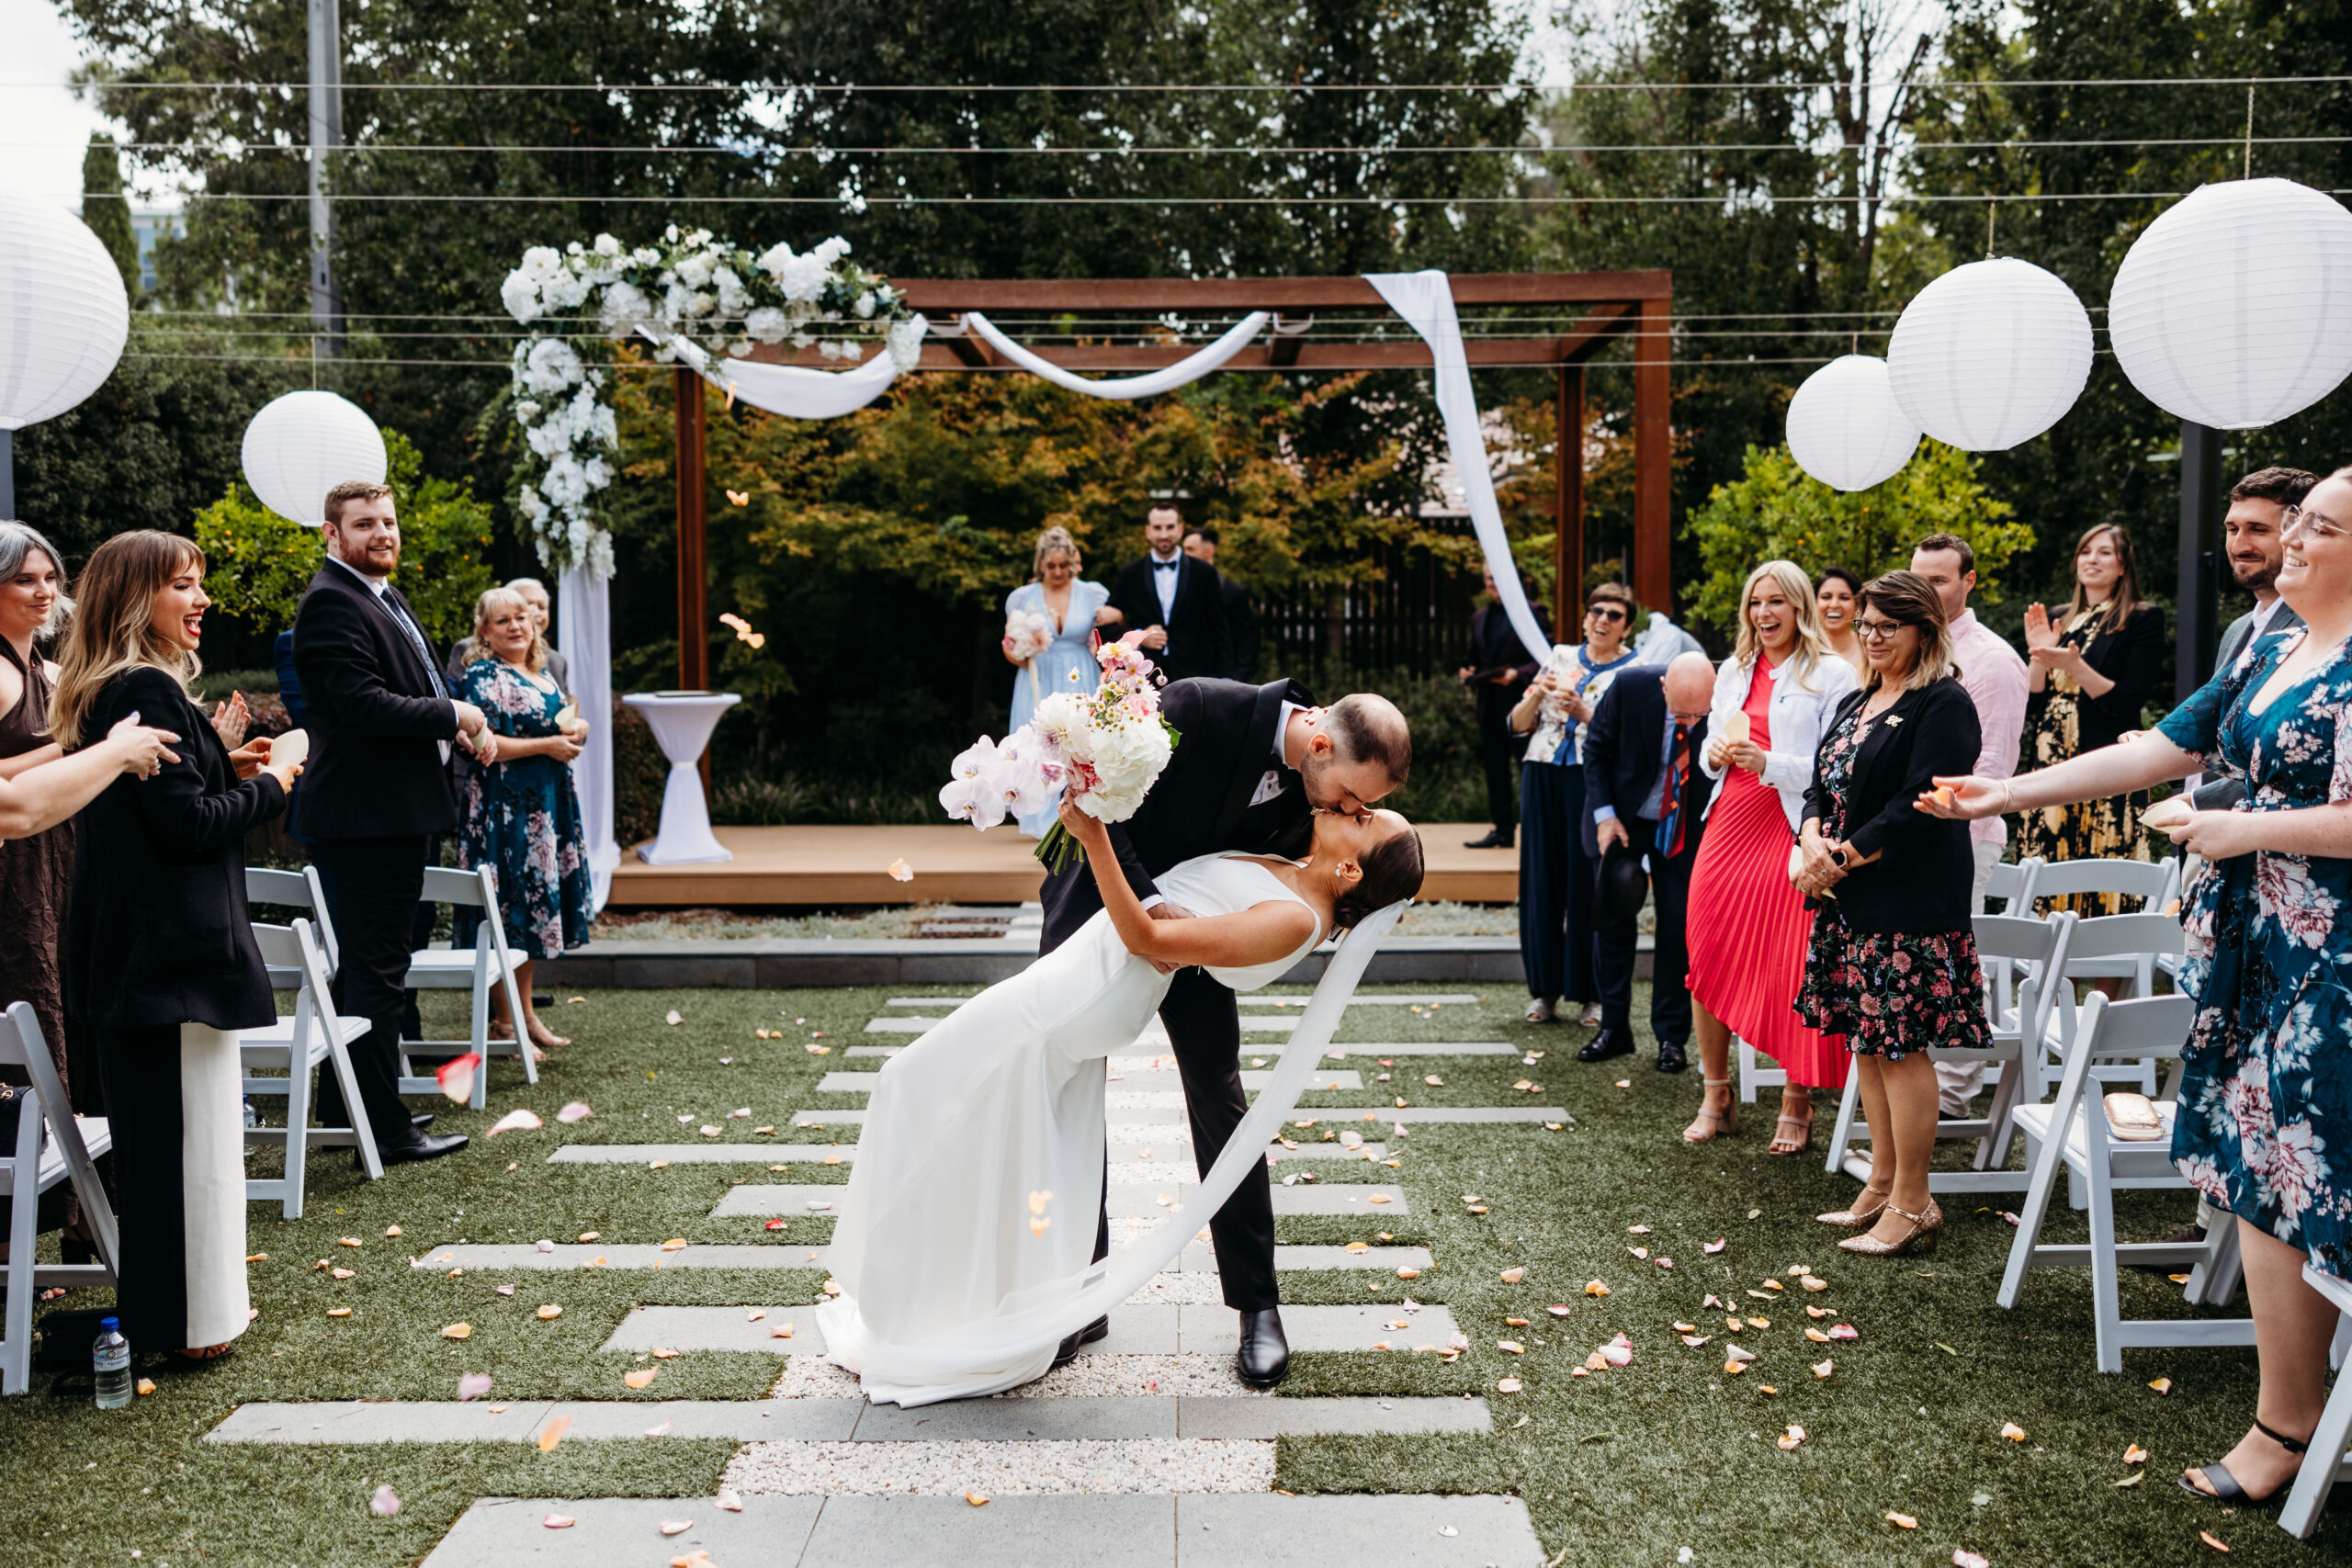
977,1208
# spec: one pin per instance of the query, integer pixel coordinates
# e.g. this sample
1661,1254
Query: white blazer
1796,718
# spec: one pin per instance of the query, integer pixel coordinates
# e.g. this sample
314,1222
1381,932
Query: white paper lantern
1844,428
1990,355
303,444
2234,308
63,314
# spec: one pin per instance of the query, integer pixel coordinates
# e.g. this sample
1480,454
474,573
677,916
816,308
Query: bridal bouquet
1103,751
1027,635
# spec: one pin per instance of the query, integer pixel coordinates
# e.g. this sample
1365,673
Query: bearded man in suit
1175,600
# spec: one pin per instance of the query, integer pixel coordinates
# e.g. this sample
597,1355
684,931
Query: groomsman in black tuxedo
1240,619
1176,601
382,723
1645,792
1254,764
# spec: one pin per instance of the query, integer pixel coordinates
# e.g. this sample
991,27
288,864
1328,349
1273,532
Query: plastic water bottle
110,1358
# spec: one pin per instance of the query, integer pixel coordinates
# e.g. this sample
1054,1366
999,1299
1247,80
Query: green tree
258,563
1776,510
106,211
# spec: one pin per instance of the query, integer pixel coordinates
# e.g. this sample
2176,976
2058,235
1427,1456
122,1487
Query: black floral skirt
1890,993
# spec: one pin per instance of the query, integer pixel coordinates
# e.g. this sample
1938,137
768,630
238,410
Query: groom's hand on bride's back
1163,910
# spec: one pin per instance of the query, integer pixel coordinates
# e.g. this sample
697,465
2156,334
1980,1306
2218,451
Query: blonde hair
113,626
1907,599
1811,648
492,600
1054,541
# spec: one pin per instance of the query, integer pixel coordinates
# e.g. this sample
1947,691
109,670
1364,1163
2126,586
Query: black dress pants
1670,951
1499,755
372,887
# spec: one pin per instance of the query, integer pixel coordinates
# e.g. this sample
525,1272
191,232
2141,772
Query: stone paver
576,1255
1127,1201
1252,1080
1447,998
702,1153
1135,1329
1275,1024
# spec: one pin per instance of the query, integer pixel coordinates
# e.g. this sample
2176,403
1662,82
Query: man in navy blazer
1645,737
382,723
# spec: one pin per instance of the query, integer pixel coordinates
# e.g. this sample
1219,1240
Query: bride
971,1208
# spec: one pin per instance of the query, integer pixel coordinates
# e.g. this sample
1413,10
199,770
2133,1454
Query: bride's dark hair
1392,872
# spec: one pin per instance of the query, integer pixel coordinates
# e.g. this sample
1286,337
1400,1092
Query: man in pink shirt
1994,678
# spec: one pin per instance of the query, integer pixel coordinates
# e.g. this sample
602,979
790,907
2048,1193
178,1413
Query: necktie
416,641
1678,771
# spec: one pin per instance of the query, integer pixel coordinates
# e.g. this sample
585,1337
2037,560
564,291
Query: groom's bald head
1367,729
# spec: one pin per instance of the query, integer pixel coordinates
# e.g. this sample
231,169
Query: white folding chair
297,890
53,1145
2012,883
2326,1462
2153,883
2020,961
2106,947
296,1046
2072,1132
490,962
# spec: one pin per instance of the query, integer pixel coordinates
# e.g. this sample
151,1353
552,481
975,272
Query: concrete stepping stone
1137,1329
702,1153
1429,1048
1251,1080
1442,998
1127,1201
572,1256
1146,1530
949,1467
1265,1025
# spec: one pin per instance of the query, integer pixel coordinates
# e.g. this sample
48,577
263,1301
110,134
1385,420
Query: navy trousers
1556,884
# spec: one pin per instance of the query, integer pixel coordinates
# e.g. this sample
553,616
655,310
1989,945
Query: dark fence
1411,612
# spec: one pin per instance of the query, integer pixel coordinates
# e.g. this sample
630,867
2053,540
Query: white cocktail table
682,723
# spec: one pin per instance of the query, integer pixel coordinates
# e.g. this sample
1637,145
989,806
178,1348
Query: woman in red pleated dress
1747,926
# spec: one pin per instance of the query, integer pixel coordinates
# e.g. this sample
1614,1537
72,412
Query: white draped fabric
798,393
584,632
1182,373
1425,301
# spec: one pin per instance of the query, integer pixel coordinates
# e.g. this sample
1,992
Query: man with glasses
1496,670
1994,678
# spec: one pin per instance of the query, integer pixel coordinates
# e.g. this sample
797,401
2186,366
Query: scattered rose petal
1738,1354
338,1311
456,1076
776,1224
781,1331
978,1499
709,1131
552,1433
2211,1539
1642,1252
546,1245
576,1111
589,1235
2012,1431
1666,1263
515,1120
1558,1309
1822,1369
663,1353
147,1386
661,1431
1844,1331
349,1241
505,1290
1710,1248
674,1016
550,1312
389,1230
1789,1440
1966,1559
1616,1355
1695,1340
344,1273
1513,1346
2135,1454
641,1376
1595,1287
676,1526
675,1244
1409,1273
1637,1230
386,1502
457,1331
1358,1246
1447,1529
1813,1282
1507,1386
473,1385
2162,1385
1901,1521
559,1521
1513,1276
730,1500
1817,1336
900,870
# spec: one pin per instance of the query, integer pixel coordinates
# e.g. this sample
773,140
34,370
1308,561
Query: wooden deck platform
951,865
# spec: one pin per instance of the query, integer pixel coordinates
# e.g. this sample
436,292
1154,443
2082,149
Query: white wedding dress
952,1283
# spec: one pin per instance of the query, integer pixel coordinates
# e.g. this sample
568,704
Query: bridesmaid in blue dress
522,814
2266,1100
1073,608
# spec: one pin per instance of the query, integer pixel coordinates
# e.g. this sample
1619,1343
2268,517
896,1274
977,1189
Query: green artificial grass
1622,1466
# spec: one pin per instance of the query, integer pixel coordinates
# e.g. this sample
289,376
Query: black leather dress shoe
422,1121
1068,1352
1493,841
426,1146
1607,1044
1265,1354
1670,1056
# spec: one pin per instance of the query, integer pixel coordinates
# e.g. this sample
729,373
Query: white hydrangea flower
803,278
829,251
533,506
598,471
526,410
564,292
733,297
624,306
607,246
541,262
645,255
552,365
864,306
765,324
905,339
520,295
695,271
671,234
566,482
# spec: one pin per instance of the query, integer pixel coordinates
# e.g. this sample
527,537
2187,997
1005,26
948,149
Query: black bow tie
1165,564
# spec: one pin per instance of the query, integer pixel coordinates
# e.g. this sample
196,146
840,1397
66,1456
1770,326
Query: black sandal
2225,1486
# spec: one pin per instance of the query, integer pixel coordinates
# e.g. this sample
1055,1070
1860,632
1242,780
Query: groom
1254,763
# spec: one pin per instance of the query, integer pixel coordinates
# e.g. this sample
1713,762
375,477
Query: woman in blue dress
1066,609
2265,1113
522,814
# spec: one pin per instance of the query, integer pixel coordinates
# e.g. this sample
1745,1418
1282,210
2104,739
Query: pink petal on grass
1710,1248
1963,1558
559,1521
473,1385
386,1502
577,1110
515,1120
456,1076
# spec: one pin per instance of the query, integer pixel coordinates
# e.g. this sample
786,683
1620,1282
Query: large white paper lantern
2234,308
1990,355
63,314
1844,428
303,444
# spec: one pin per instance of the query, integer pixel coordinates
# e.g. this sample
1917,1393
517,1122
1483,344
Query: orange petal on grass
639,1378
2012,1431
1513,1276
2135,1454
1507,1386
1789,1440
553,1432
2209,1538
457,1331
1595,1287
1901,1521
2162,1385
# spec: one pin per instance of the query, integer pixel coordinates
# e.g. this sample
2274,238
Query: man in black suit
1496,670
1254,764
1240,620
381,723
1177,601
1644,791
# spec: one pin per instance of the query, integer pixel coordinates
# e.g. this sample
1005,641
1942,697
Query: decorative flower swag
694,297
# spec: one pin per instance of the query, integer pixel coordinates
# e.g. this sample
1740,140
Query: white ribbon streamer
584,632
1180,374
798,393
1425,301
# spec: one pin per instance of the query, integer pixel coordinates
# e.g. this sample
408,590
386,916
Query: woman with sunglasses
1892,964
2267,1084
1555,868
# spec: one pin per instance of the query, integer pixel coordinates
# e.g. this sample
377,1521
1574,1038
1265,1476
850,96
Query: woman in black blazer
159,958
1892,960
2092,668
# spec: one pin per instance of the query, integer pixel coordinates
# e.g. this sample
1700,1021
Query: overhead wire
1735,201
1144,88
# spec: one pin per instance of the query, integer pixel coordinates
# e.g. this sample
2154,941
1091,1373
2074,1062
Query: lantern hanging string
2249,132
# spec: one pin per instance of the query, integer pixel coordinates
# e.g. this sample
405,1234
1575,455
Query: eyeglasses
2297,518
1877,631
1606,612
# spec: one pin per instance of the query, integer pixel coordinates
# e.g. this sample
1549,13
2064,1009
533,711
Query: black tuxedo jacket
376,726
1200,643
1200,805
1623,747
1921,880
1241,629
158,932
1494,645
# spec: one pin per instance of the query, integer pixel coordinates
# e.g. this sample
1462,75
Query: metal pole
326,134
1652,552
7,476
2194,597
1567,528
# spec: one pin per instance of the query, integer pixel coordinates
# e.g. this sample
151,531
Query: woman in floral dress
1892,964
522,814
2269,1083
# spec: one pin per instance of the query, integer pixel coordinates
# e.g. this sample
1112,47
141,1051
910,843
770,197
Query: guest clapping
521,812
2267,1084
160,956
1892,965
2090,670
1773,698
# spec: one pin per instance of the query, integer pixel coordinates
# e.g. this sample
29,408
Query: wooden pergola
1613,303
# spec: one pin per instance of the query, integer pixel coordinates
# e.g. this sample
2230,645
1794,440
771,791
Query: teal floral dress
2265,1102
522,818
